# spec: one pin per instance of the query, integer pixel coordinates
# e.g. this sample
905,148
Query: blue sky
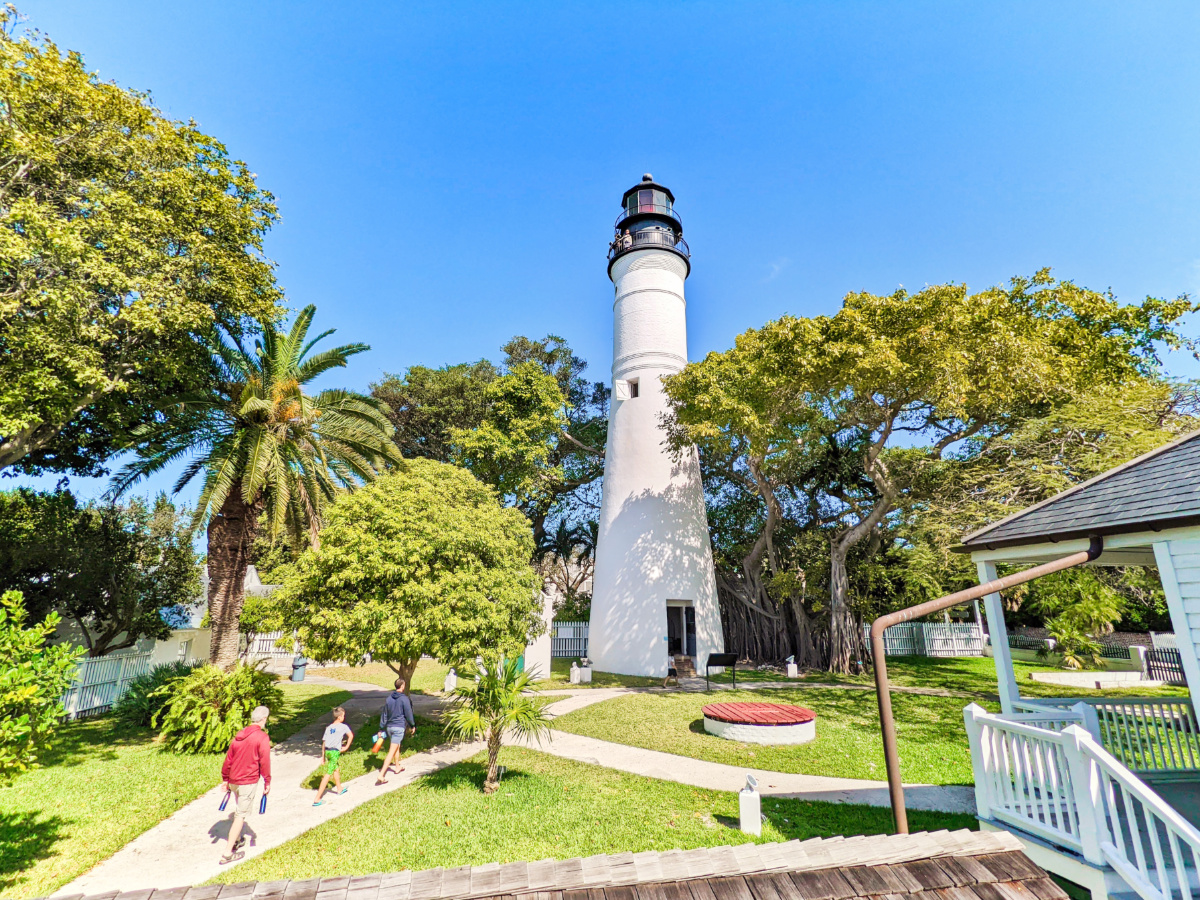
448,173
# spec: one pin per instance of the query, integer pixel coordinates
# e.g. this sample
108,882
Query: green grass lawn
971,674
547,807
427,679
933,741
560,678
102,785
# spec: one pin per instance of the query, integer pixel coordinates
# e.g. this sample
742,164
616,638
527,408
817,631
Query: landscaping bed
547,807
104,784
933,741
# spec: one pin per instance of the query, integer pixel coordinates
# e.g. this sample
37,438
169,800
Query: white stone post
1137,655
981,763
1006,677
750,808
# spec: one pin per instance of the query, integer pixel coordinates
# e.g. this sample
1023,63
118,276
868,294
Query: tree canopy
117,572
421,561
834,423
124,238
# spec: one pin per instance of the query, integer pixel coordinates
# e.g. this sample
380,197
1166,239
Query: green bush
142,700
204,709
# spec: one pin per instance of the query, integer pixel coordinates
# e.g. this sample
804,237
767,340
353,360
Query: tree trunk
404,668
845,637
492,782
231,534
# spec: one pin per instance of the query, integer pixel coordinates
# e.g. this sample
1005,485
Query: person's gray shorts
245,794
395,735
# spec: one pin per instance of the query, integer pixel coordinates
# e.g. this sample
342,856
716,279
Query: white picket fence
1046,774
570,640
262,646
101,682
931,639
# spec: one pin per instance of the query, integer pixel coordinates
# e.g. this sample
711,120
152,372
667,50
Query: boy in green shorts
337,740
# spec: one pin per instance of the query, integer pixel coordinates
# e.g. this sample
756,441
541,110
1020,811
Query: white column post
980,760
1006,677
1085,785
1091,720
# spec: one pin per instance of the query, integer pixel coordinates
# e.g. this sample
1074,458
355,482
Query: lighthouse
654,593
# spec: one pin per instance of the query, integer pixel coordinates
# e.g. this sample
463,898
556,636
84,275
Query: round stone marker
761,723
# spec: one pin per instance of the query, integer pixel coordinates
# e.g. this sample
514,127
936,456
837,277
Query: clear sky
448,173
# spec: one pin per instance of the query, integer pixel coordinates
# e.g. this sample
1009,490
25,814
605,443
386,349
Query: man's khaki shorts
245,794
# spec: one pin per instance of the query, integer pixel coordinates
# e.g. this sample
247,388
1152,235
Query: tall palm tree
263,445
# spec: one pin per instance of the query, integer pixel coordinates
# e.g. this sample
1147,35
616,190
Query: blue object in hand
225,802
262,805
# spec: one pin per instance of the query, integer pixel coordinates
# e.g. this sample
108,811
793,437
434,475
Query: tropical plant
33,677
202,711
425,561
264,445
498,704
1078,649
124,237
142,699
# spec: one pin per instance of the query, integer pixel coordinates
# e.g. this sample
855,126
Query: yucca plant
264,445
498,704
203,710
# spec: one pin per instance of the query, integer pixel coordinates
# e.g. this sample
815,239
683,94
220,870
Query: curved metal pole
887,723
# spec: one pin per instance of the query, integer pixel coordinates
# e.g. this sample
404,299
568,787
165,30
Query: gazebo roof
1158,490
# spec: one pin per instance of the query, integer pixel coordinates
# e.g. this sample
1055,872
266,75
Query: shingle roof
963,864
1160,489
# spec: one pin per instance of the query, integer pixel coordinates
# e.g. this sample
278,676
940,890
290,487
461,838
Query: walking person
337,740
248,759
397,715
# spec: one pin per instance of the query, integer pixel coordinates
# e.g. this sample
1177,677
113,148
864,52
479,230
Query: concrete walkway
184,849
721,777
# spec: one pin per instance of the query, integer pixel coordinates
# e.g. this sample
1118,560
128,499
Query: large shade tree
124,237
421,561
841,396
266,449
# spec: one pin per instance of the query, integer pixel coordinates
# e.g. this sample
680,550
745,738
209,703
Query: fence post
980,760
1091,719
1087,790
1137,654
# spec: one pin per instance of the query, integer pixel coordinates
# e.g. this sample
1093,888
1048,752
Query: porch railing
1147,734
1062,786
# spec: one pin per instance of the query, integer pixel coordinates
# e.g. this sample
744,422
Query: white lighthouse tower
654,593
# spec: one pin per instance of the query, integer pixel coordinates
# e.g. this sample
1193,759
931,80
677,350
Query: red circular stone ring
758,713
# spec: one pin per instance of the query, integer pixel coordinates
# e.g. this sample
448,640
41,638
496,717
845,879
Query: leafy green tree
421,561
498,704
264,446
117,571
427,405
939,367
124,237
33,677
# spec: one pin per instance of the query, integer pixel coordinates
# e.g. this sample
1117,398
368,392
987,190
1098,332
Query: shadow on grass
470,773
25,839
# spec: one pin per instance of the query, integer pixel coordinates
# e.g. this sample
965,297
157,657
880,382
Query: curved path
184,848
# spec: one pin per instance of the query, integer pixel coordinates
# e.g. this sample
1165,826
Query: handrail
646,239
1066,787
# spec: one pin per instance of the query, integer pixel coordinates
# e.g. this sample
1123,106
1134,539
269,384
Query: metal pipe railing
887,722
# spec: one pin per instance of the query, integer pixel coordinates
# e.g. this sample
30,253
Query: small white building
654,589
1103,791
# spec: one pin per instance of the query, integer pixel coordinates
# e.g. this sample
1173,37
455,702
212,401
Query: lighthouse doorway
681,628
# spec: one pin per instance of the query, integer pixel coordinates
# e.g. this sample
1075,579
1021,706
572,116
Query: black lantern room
648,221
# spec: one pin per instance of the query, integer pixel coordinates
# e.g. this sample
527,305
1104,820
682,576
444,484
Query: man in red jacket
248,759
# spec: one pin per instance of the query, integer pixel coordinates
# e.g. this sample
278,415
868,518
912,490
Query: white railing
569,640
1064,787
1147,734
931,639
102,681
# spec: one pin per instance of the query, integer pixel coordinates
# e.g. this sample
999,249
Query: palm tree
496,705
264,446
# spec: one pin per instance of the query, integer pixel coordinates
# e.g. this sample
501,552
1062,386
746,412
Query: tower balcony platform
647,239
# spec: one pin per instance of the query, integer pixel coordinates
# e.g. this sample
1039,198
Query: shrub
142,700
204,709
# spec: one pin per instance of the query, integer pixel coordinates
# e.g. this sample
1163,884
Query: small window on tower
633,389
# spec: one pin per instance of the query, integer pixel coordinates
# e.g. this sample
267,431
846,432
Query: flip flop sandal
319,803
342,791
232,857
